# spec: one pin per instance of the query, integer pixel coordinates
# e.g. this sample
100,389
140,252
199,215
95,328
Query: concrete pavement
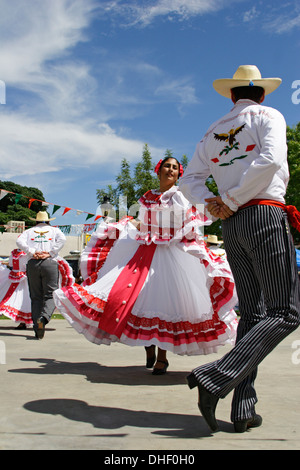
63,392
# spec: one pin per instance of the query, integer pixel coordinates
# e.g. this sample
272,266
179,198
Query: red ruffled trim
150,197
86,304
176,333
17,315
65,271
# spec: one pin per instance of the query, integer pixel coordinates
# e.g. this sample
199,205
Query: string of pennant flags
64,228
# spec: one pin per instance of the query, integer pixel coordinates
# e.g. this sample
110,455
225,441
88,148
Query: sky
87,83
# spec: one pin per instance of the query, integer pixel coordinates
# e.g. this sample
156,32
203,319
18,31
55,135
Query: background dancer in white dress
156,284
15,300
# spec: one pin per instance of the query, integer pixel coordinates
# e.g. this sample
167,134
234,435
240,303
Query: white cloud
274,17
49,122
283,23
145,12
33,32
54,104
180,91
30,147
250,15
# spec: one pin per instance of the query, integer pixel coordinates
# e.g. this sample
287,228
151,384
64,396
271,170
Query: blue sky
88,83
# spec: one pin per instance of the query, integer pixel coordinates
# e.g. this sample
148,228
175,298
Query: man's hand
217,208
41,255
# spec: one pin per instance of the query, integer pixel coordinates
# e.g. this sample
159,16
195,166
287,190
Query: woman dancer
14,293
154,283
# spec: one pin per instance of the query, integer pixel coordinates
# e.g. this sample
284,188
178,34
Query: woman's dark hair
167,158
253,93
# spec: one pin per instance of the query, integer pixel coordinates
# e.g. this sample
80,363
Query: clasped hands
41,255
218,208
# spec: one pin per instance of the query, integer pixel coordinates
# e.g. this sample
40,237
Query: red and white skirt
178,296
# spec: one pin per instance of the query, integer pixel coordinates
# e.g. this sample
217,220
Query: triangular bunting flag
67,209
89,216
3,193
55,208
30,202
17,198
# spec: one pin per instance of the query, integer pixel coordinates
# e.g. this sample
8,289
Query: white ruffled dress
156,285
15,301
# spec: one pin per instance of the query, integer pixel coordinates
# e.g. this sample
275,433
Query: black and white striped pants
261,254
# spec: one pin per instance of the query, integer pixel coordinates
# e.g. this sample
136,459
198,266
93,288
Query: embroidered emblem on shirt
230,137
233,145
41,236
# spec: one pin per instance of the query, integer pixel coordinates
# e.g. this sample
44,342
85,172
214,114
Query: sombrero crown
42,216
246,75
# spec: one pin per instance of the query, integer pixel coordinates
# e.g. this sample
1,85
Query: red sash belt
292,211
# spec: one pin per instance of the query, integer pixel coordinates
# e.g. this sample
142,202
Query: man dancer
246,153
42,243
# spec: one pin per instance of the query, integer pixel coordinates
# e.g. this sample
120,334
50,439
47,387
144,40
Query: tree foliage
14,206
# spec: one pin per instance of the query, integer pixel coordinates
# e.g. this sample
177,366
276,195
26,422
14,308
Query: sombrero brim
224,85
36,220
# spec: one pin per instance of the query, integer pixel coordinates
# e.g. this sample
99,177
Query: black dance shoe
161,371
40,330
243,425
207,403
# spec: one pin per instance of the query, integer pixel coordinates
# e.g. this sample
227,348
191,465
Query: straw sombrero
213,239
42,216
246,75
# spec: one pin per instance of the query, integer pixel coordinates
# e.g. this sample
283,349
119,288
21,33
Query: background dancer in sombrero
156,284
246,153
45,269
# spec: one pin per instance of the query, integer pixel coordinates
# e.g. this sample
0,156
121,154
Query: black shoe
150,360
207,403
21,326
40,330
244,424
161,371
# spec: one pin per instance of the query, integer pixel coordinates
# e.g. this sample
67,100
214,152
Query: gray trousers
261,255
42,280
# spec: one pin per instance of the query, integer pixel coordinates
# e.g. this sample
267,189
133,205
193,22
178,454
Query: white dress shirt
246,153
41,237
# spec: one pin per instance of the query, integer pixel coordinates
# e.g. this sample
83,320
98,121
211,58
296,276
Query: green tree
143,174
184,161
125,185
14,206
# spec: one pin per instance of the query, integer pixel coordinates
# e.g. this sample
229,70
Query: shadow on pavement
102,417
